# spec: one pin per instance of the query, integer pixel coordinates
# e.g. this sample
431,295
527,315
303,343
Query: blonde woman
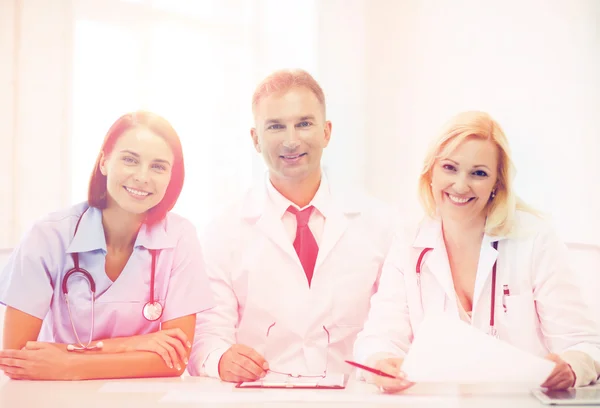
478,235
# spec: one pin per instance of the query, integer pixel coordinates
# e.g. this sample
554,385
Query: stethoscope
492,329
151,311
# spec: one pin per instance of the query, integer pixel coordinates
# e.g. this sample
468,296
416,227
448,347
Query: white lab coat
544,311
258,281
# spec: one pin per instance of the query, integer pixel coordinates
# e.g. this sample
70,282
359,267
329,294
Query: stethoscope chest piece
152,311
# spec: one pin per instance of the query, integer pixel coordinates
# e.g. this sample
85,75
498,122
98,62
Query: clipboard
330,382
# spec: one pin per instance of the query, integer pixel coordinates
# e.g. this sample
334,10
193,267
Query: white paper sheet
450,350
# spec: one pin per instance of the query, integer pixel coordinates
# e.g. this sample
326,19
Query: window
193,62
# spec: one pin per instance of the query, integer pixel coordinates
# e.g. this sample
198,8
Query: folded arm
124,357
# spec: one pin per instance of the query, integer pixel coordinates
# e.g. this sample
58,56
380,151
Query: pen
370,369
505,293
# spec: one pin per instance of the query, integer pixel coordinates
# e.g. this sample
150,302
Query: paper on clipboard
331,381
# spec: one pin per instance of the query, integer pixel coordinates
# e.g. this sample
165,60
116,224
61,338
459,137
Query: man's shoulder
363,201
378,215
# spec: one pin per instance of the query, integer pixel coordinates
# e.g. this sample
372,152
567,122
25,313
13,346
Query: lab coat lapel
436,262
256,210
273,228
343,207
487,257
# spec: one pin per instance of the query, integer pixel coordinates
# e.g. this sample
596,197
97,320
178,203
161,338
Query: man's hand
241,363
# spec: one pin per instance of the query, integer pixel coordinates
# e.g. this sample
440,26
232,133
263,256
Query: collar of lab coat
342,200
280,204
90,234
429,235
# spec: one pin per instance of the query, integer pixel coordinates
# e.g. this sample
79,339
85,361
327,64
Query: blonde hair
283,80
480,125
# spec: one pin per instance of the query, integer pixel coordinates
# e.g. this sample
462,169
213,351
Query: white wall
7,120
586,264
3,258
34,104
341,60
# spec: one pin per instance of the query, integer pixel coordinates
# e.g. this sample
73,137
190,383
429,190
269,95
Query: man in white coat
294,263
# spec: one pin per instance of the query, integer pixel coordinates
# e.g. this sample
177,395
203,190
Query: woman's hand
171,344
391,366
562,377
36,361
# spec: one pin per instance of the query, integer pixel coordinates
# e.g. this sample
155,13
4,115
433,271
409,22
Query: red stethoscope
151,311
492,329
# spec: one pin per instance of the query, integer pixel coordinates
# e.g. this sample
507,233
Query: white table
147,393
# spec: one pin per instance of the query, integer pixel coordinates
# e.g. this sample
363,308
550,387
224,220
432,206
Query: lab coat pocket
521,321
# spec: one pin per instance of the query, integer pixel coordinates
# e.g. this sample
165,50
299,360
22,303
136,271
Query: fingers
389,366
178,334
553,375
171,345
249,366
561,377
12,353
157,346
178,346
560,381
171,354
240,369
232,372
560,385
254,356
12,363
14,358
241,363
391,385
13,368
13,372
180,350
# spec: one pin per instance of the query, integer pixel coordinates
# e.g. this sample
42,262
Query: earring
493,194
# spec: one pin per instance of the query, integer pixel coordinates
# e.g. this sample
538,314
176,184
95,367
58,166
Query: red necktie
305,244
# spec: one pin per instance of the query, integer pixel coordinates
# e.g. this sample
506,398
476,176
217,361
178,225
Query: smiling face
463,181
137,170
291,133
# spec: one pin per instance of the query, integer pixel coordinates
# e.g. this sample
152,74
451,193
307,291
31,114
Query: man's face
291,133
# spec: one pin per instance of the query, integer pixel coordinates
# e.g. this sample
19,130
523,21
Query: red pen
370,369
